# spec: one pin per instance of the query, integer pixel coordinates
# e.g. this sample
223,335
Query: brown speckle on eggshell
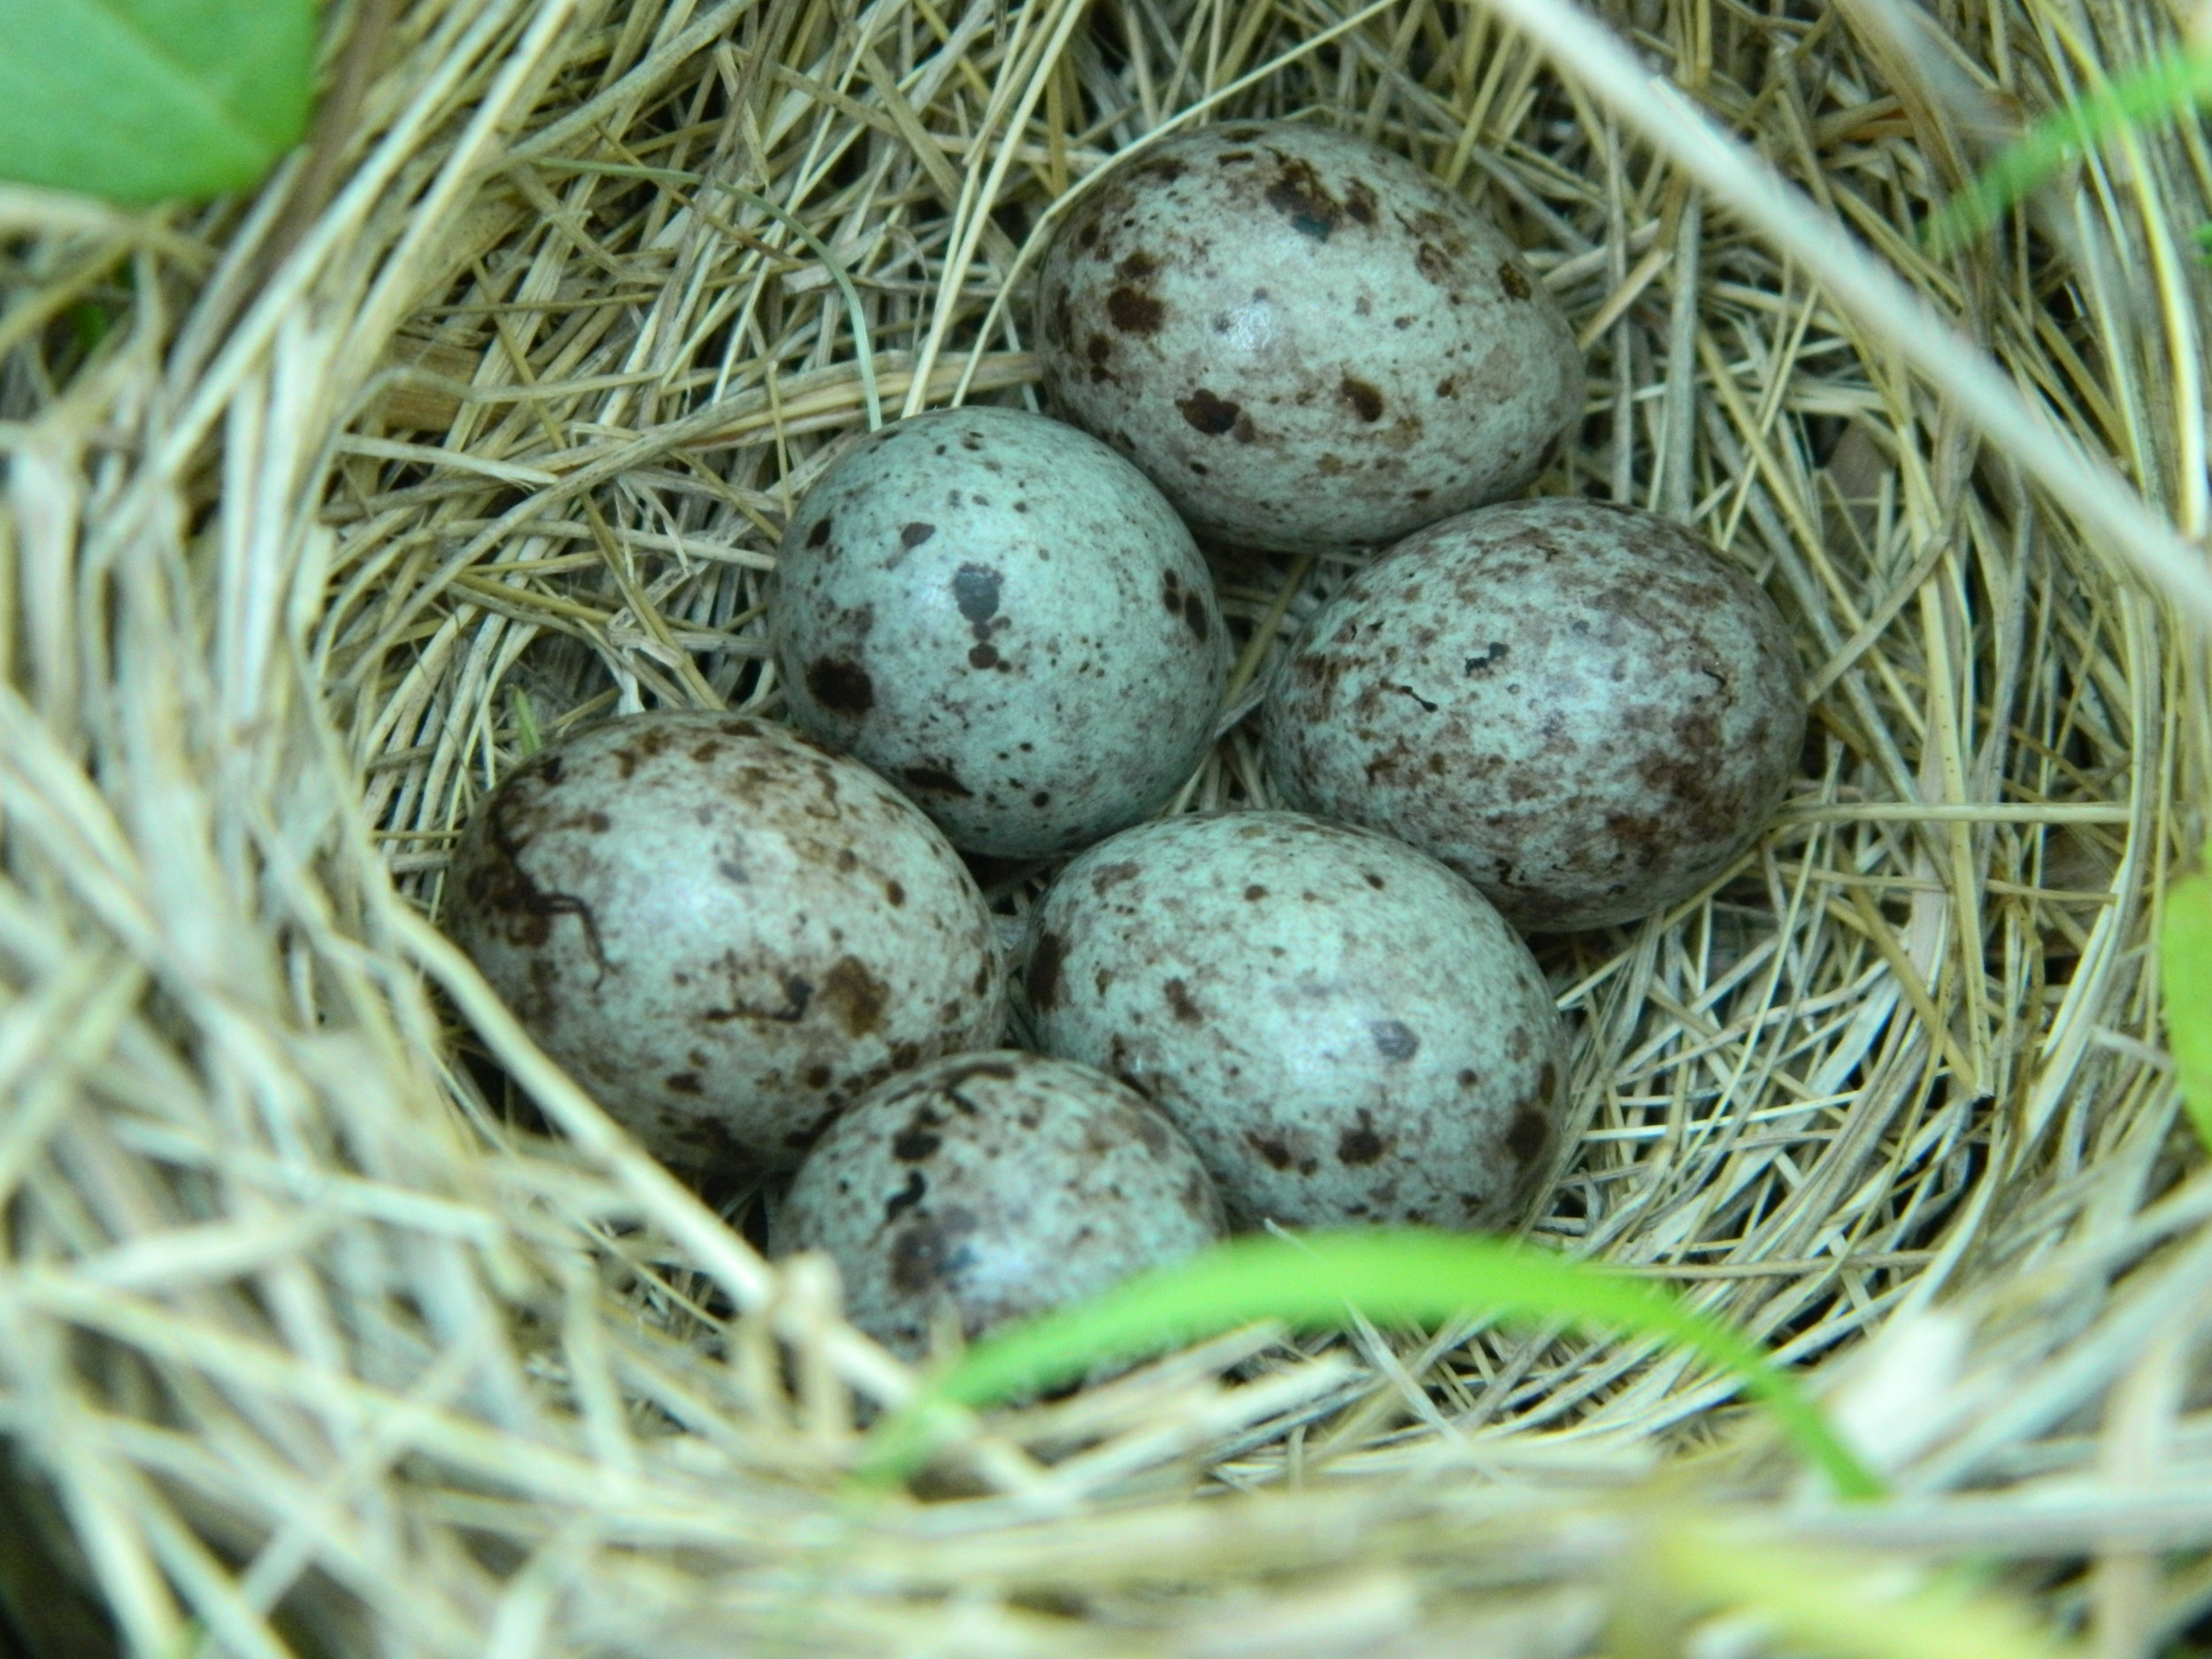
1346,1030
1246,312
1583,709
989,1187
726,932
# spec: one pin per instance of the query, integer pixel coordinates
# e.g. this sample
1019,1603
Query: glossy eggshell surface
989,1187
1344,1028
1584,710
999,614
1305,341
724,932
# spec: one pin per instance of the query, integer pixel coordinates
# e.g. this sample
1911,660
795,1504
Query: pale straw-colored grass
335,1320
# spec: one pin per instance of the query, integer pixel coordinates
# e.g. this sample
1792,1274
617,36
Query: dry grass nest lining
482,419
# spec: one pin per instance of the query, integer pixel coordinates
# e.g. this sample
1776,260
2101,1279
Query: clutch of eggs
753,950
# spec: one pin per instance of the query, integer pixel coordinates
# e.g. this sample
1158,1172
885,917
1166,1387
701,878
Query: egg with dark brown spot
1345,1029
724,932
1586,710
1001,615
1306,341
987,1187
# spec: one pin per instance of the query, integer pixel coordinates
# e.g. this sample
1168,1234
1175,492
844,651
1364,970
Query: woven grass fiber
334,1322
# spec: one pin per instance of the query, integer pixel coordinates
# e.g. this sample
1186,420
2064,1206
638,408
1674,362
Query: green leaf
140,101
2185,972
2168,86
1310,1282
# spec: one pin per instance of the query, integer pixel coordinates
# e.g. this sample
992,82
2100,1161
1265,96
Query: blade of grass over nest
138,101
528,741
2184,965
1313,1282
2163,89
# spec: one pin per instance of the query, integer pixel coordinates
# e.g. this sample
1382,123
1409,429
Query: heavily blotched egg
724,933
1307,342
1584,710
987,1187
998,613
1345,1029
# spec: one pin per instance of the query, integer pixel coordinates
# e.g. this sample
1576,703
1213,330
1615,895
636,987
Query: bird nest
335,1320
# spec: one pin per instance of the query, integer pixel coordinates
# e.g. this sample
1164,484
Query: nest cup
334,1320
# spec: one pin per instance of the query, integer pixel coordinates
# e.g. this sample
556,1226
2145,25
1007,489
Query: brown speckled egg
998,613
1584,710
1307,341
989,1187
1345,1029
723,932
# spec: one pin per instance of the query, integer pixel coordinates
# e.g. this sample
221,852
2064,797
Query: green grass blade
1392,1276
2185,972
141,101
528,740
2168,86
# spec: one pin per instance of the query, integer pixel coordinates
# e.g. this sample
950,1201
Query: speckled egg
1345,1029
723,932
1583,709
989,1187
999,614
1307,341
